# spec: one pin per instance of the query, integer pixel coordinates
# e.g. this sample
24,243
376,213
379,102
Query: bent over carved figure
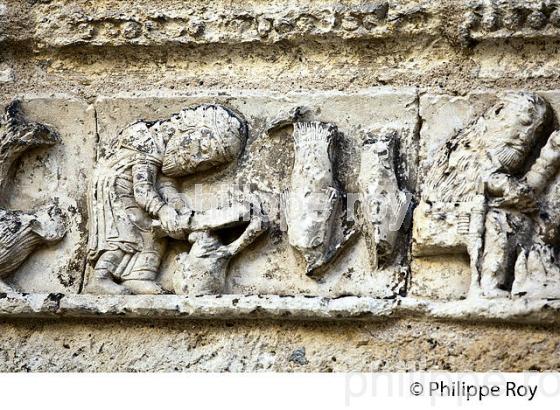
133,187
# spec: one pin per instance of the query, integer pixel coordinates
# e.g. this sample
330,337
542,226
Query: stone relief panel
484,226
326,204
47,151
253,194
22,231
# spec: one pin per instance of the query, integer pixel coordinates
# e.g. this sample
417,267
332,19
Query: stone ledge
12,305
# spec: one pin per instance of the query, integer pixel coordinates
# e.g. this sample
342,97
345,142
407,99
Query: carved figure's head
201,138
49,224
512,127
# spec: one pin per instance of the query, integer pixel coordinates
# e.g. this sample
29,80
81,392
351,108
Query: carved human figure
473,199
23,231
537,273
133,187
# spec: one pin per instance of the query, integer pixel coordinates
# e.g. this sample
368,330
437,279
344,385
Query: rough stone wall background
405,345
51,48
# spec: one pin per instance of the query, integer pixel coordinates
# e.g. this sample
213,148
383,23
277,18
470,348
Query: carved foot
142,287
103,286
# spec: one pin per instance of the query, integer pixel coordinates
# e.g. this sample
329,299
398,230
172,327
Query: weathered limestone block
259,176
52,179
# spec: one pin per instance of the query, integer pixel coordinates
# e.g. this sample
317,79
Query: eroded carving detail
474,198
136,202
202,270
537,273
506,19
23,231
384,205
314,197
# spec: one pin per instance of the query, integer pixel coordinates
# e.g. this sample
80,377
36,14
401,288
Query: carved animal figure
384,205
21,232
313,197
203,270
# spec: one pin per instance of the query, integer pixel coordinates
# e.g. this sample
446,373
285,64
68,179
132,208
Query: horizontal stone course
545,312
60,24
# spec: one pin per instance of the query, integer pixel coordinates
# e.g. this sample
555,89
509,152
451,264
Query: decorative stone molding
499,19
276,307
59,24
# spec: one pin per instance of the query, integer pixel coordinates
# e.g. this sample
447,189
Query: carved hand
170,222
510,192
179,202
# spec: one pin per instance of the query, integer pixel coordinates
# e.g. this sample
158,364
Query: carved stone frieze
487,195
393,202
254,217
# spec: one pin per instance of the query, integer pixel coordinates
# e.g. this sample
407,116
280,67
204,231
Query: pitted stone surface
277,307
384,98
244,346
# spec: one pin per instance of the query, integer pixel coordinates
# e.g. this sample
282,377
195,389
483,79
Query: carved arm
144,177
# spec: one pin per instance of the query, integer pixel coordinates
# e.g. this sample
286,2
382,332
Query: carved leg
101,280
474,249
140,278
504,231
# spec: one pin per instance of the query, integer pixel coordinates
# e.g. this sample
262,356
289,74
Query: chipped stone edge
527,311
